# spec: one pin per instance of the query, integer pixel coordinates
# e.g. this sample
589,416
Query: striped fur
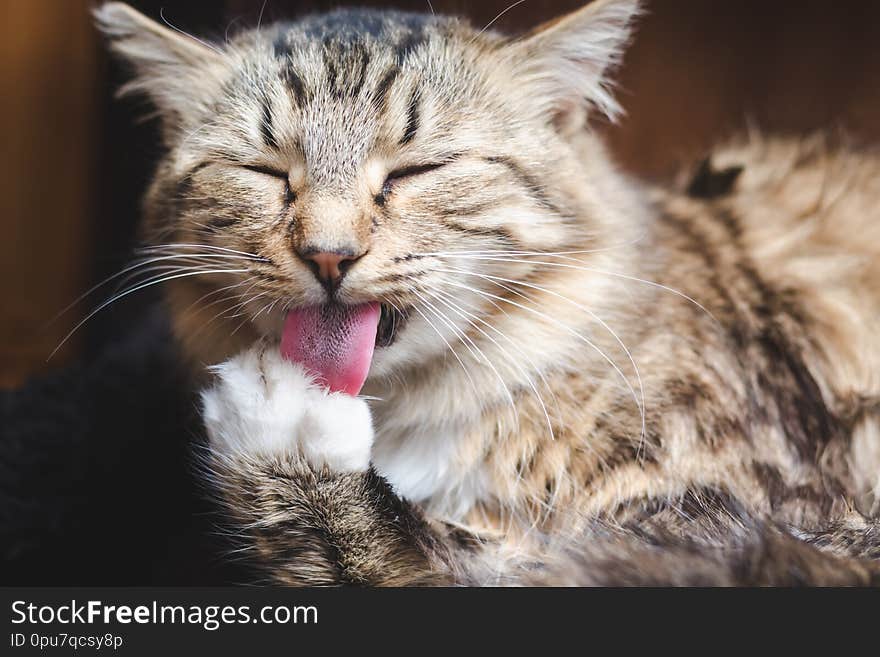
597,382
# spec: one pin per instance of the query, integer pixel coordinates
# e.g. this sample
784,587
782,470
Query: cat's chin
207,339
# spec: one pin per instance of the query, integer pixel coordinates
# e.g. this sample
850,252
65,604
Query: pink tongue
334,342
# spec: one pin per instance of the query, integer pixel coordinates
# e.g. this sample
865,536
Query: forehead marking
380,95
363,63
412,117
526,181
295,84
267,130
346,64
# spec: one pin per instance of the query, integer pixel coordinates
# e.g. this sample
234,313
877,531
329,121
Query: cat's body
593,382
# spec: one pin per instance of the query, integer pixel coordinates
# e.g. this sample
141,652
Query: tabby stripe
177,200
700,246
469,211
782,372
362,74
625,448
808,423
534,188
399,277
412,118
700,502
185,182
195,169
482,231
266,276
731,222
295,84
779,492
330,59
713,427
767,298
266,128
380,95
223,221
408,257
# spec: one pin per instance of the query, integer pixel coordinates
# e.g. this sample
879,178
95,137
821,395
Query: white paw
263,404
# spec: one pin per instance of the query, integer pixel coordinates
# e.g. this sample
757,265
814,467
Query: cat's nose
329,267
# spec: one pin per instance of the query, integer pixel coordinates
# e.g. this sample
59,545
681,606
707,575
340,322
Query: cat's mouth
391,320
336,342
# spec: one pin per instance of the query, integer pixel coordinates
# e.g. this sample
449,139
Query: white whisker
454,307
174,245
600,272
499,252
133,268
593,315
188,35
119,296
219,290
260,19
464,336
492,22
556,322
448,346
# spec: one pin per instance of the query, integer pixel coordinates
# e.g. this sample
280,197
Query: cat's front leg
291,463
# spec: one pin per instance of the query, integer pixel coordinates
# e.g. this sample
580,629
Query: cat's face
365,156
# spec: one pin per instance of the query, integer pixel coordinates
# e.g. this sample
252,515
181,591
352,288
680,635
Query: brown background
73,162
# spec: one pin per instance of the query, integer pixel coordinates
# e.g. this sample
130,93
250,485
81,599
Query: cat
577,378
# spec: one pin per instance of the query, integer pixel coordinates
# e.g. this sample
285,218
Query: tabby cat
569,377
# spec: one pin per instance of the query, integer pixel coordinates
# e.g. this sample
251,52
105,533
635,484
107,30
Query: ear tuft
567,62
143,41
171,68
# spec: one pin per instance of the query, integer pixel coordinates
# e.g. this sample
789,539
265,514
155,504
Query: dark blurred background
74,162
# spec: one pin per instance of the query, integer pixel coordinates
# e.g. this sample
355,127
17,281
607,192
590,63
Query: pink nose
328,266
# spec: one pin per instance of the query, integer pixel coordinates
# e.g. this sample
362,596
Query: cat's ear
564,64
177,72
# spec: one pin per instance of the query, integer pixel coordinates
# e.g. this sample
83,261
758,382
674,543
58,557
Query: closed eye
404,173
266,171
409,172
289,194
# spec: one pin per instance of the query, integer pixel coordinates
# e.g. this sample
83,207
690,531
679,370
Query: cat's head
369,156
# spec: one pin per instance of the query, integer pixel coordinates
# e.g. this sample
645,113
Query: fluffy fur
264,405
596,381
